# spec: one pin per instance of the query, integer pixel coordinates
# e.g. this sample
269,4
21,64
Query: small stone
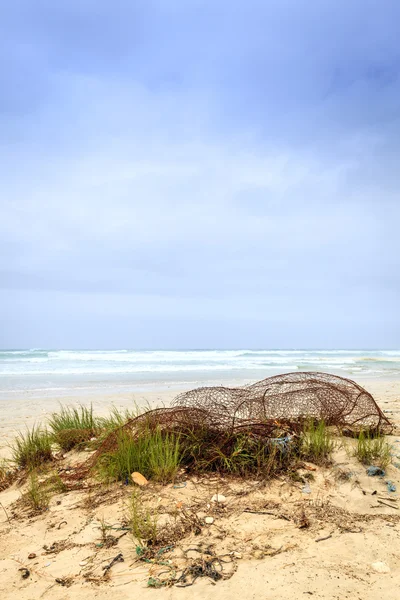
83,563
209,520
380,567
258,554
32,555
139,479
237,555
218,498
24,572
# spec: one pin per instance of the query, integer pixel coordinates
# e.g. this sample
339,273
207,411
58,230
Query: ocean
41,373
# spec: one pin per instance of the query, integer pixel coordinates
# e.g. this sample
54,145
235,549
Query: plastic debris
306,489
375,471
391,486
282,443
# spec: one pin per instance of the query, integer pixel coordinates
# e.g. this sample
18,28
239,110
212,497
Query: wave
49,363
141,369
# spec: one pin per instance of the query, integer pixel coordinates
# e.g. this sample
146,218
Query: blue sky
199,174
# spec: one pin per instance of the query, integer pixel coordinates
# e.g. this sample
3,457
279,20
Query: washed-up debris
282,443
207,565
336,400
218,498
322,539
118,558
24,572
390,486
386,504
306,489
380,567
65,581
272,410
373,471
139,479
303,521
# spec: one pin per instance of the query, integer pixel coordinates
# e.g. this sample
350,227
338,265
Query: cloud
168,163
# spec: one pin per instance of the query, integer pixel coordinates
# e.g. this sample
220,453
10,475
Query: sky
199,174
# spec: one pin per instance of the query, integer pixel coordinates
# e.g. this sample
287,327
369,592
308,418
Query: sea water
60,372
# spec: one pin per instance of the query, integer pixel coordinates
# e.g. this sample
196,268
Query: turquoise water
53,372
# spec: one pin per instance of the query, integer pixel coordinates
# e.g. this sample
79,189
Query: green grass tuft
143,522
155,454
316,442
31,449
117,418
372,450
37,496
73,426
242,454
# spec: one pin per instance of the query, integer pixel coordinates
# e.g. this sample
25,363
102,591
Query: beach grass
153,453
36,496
143,521
370,450
73,426
32,449
205,450
118,418
316,442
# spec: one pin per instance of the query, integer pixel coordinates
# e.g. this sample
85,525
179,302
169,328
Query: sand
350,547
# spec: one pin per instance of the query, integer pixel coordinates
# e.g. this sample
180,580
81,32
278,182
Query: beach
335,536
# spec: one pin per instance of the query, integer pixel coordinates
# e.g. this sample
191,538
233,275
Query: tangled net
269,409
291,398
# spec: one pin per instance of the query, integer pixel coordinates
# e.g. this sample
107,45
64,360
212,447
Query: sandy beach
339,538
